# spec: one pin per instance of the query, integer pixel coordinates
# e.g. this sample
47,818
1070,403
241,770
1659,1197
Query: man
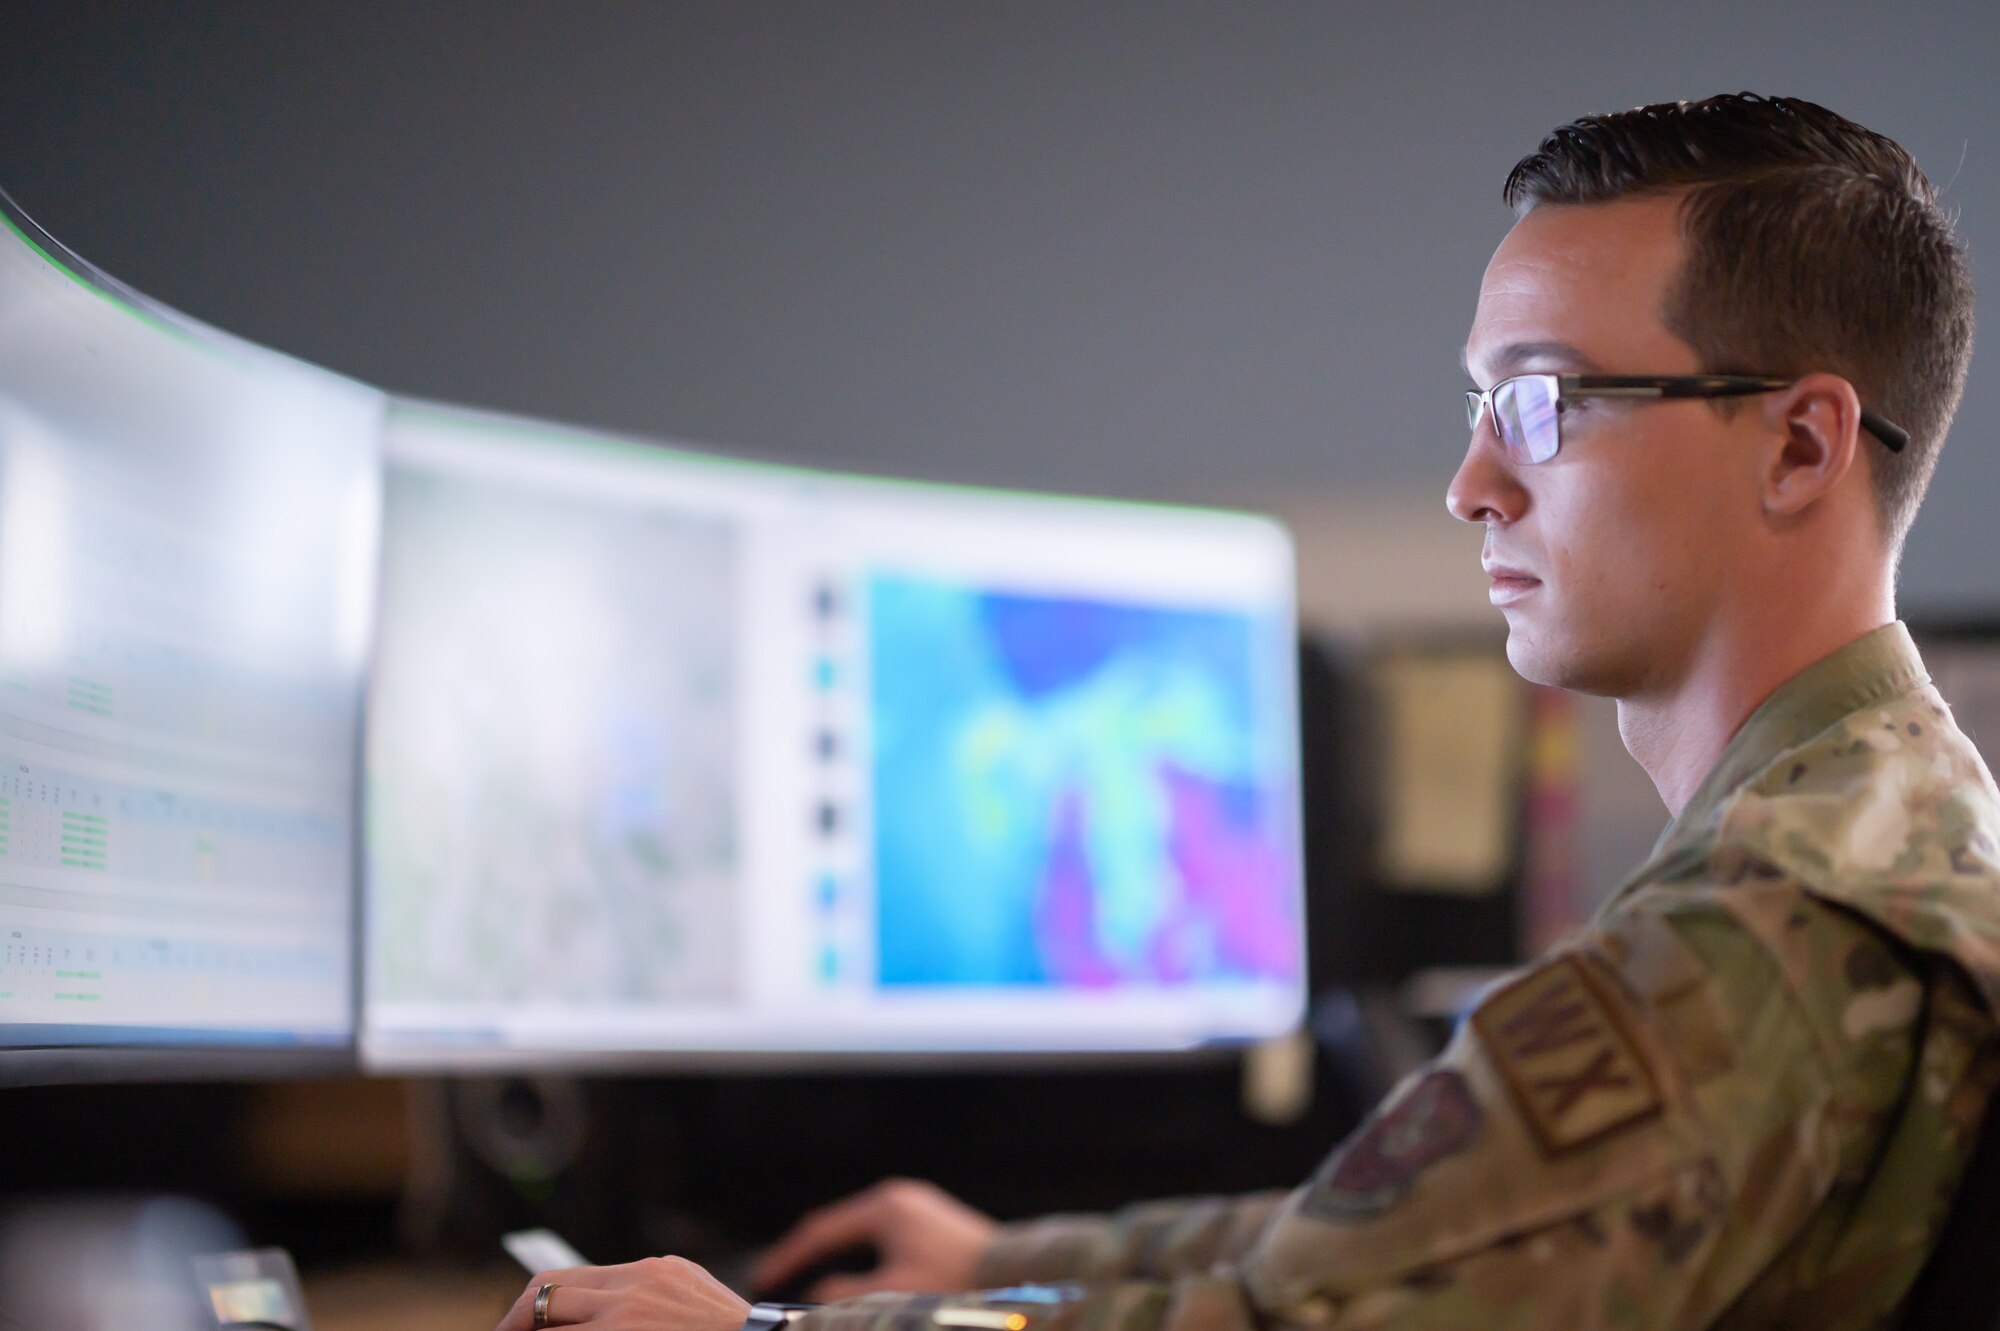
1720,349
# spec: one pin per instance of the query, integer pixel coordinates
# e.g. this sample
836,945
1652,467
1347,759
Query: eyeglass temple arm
1894,437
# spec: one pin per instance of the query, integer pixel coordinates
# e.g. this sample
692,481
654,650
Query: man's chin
1556,666
1528,662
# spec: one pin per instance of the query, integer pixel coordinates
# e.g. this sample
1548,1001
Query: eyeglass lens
1525,411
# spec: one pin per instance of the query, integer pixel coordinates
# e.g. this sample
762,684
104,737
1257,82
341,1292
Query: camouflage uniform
1741,1097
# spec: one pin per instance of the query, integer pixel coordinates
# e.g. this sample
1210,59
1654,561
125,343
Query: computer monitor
187,539
677,758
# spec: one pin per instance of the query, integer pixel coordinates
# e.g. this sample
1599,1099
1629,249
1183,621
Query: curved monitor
187,528
671,757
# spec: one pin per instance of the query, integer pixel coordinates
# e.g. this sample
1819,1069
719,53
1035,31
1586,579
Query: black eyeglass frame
1894,437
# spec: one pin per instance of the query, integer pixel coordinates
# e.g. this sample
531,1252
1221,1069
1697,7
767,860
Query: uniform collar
1868,672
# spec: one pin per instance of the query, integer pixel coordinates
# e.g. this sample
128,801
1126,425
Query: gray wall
1188,251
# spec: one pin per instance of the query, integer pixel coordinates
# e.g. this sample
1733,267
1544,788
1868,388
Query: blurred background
1214,253
1200,252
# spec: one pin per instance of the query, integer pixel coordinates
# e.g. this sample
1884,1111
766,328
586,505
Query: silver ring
542,1306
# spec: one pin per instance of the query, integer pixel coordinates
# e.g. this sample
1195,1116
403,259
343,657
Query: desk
403,1296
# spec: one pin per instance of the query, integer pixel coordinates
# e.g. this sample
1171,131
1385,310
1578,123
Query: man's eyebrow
1512,357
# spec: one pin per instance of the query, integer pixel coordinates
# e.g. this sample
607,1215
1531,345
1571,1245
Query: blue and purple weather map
1075,793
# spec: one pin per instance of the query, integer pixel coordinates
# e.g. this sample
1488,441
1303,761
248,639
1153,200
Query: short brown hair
1812,244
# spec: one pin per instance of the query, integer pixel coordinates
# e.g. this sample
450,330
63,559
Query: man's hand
929,1242
657,1294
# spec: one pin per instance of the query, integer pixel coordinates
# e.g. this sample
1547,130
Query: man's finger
577,1301
592,1277
570,1305
844,1224
667,1272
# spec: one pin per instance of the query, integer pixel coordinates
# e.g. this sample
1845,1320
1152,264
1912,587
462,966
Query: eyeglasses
1527,409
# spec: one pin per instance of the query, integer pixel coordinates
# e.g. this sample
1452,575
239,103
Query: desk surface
408,1297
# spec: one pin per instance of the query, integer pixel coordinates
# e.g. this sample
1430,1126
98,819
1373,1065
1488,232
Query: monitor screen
674,756
187,541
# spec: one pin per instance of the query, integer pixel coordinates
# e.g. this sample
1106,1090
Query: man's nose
1485,488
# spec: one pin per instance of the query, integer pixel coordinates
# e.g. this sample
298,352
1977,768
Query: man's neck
1678,733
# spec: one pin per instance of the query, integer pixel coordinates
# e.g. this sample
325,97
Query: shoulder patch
1436,1117
1571,1066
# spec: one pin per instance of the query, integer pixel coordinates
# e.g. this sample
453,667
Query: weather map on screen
1073,792
675,757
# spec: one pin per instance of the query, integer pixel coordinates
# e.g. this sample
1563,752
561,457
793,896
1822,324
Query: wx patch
1435,1118
1572,1068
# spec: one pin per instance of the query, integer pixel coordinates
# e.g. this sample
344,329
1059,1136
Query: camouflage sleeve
1153,1239
1625,1135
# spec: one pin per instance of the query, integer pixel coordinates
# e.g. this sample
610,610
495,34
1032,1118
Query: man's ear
1815,426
